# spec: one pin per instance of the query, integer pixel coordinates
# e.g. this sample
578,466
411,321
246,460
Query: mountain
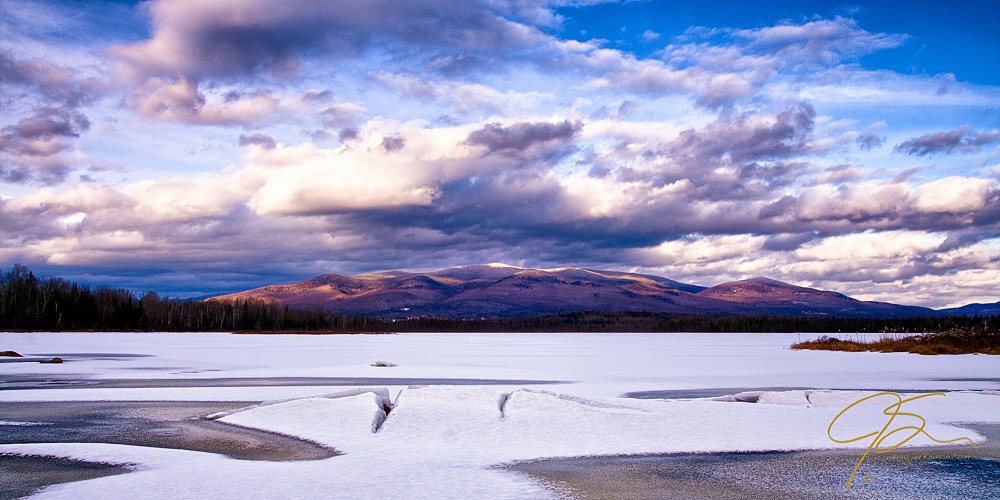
972,309
768,296
499,290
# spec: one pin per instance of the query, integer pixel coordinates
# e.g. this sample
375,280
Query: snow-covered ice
444,441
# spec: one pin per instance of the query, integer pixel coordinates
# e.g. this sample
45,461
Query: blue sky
197,147
943,36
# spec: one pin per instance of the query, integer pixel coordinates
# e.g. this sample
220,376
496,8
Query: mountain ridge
500,290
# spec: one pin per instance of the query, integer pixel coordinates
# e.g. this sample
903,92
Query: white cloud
305,179
953,195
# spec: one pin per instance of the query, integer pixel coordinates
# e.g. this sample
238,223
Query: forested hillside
28,302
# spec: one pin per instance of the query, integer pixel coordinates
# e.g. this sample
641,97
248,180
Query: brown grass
10,354
950,342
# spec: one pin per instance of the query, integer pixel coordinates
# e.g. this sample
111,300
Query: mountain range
500,290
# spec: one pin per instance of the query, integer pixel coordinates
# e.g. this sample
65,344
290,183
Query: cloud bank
225,145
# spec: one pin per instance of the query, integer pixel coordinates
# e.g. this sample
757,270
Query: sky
196,147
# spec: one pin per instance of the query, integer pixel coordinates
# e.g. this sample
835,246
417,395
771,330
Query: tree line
28,302
646,322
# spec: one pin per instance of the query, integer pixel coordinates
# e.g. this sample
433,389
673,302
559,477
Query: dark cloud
341,115
744,140
774,174
787,242
51,122
348,134
990,215
518,212
843,173
960,140
43,134
258,139
744,157
15,175
390,144
38,170
239,37
47,97
963,238
57,84
868,140
523,135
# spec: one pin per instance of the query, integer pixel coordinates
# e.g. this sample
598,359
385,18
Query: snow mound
339,422
794,398
748,396
825,397
564,403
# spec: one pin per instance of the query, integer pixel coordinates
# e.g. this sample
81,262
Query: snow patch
334,422
23,424
502,265
794,398
748,396
580,401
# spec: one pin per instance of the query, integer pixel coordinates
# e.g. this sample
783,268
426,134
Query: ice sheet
444,441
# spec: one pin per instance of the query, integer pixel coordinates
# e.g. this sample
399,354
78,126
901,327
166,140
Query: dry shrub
949,342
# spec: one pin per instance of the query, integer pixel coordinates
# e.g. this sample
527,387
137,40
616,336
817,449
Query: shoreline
924,472
31,382
182,425
25,475
159,424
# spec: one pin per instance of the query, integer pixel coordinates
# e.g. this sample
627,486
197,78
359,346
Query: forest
30,303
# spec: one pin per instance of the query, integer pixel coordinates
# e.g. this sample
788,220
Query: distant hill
973,309
499,290
768,296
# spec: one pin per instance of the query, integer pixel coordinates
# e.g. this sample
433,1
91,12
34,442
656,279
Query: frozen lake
604,365
462,404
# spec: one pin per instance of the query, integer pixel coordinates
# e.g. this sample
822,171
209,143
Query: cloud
871,265
385,167
788,241
180,101
390,144
46,98
650,36
462,97
240,37
719,75
940,204
521,136
748,138
954,195
44,133
258,139
43,170
960,140
32,149
342,114
820,42
58,84
310,136
869,140
616,70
